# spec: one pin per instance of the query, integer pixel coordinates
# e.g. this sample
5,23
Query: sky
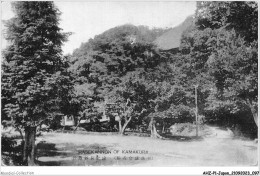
87,19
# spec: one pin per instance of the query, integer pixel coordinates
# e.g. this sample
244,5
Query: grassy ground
217,149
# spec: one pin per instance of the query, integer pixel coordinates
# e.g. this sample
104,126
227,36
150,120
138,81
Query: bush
188,129
11,151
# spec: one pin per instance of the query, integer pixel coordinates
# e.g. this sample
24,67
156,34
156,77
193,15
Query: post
196,103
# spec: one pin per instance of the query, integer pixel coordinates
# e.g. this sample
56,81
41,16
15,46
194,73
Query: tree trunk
31,153
120,125
163,129
29,146
25,146
125,125
154,133
253,111
150,126
255,115
78,123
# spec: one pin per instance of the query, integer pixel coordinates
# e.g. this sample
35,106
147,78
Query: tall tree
234,68
132,97
35,83
222,49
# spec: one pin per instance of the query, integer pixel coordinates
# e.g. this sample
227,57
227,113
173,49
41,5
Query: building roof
172,38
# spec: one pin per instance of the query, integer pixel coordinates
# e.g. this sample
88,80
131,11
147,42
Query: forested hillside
217,53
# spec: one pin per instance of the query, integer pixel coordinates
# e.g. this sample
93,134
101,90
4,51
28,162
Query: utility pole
196,103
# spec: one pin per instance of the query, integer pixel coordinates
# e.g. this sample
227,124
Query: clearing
217,149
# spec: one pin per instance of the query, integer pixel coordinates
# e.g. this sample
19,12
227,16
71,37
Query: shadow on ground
182,138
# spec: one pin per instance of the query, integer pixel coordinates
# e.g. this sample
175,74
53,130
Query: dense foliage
223,49
218,53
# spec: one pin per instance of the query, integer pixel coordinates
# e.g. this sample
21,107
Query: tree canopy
218,53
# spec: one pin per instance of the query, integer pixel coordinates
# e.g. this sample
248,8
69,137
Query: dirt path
216,150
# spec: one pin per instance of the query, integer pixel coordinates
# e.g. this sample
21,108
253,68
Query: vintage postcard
129,87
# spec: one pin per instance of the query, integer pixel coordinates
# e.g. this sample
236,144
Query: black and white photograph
129,84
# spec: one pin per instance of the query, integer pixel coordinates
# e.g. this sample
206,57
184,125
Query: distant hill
119,34
172,38
115,41
165,39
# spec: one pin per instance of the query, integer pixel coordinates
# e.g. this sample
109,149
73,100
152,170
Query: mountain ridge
163,38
